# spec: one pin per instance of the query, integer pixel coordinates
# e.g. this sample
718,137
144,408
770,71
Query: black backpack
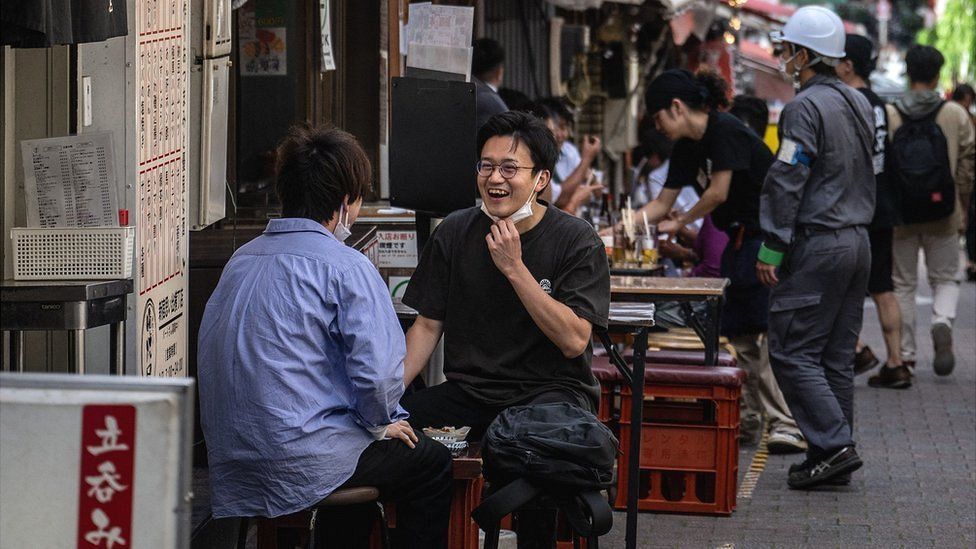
918,169
556,450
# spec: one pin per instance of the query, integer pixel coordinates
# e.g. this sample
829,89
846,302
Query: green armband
770,257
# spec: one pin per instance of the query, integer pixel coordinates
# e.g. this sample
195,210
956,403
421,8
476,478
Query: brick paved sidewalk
918,485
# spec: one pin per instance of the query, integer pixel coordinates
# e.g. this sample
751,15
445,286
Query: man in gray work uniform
816,203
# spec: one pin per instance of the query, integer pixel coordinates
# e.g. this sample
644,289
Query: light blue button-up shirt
300,362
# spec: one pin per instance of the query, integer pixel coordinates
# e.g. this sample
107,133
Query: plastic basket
73,254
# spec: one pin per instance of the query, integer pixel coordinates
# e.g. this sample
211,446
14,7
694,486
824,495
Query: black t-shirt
885,214
492,348
728,144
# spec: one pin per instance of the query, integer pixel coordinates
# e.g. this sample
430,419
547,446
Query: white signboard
94,461
70,181
397,249
161,195
398,286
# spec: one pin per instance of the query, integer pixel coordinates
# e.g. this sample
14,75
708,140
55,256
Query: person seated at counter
301,362
515,287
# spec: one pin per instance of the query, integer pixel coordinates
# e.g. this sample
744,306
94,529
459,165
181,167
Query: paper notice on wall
263,40
328,60
397,249
448,26
441,58
70,181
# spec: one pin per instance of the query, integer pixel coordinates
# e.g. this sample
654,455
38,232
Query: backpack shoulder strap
588,513
935,112
504,501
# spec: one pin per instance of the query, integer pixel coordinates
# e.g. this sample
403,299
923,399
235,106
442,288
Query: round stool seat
350,496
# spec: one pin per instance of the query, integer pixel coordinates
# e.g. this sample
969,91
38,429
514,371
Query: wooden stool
268,527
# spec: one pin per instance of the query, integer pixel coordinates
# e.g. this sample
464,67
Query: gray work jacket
823,175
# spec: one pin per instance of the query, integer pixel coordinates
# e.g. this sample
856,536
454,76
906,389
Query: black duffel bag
556,450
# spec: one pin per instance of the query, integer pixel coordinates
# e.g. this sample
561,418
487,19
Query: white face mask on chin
522,213
342,231
795,75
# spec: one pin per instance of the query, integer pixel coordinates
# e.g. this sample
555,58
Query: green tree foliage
954,35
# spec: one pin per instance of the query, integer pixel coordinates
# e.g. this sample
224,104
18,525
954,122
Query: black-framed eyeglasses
507,169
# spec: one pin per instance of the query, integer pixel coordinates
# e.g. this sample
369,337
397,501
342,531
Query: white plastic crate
73,254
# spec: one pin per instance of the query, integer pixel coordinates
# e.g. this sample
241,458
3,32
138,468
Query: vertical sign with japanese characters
108,440
161,195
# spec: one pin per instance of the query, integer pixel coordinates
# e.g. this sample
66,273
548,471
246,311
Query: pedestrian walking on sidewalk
855,71
817,201
931,166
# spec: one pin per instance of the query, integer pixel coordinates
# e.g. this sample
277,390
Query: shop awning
774,11
755,54
44,23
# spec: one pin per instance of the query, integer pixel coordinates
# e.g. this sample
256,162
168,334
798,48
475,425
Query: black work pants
448,405
417,479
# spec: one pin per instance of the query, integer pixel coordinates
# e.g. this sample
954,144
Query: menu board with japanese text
161,195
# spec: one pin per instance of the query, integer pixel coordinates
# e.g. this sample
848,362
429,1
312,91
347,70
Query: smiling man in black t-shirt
515,287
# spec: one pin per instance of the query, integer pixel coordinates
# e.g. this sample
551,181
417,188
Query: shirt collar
819,79
295,225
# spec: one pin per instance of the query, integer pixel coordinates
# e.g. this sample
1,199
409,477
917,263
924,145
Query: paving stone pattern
918,485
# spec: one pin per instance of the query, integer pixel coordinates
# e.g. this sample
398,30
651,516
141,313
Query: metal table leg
636,424
116,364
17,351
712,327
76,344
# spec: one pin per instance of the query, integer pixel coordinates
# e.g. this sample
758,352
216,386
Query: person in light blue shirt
301,361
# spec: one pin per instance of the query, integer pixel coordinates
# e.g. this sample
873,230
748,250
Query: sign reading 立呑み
108,456
107,475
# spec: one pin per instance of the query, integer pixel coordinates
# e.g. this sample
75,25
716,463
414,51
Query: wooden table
685,291
468,484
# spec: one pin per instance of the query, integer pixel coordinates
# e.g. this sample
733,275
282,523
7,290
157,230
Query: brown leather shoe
865,361
898,377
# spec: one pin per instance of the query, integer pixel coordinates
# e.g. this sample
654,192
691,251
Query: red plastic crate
689,446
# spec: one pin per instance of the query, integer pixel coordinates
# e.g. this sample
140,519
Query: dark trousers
447,404
746,309
814,322
418,480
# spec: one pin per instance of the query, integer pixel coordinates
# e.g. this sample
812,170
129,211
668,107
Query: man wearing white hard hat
816,204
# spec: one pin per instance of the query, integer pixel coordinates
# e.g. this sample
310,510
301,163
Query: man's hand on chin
505,247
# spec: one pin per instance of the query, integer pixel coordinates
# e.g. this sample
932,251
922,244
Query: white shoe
783,442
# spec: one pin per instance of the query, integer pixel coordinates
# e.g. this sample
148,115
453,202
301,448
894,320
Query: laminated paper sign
397,249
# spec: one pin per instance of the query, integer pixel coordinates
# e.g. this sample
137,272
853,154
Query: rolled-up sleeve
374,347
786,179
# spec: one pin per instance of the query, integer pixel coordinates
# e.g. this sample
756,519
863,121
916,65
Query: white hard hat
815,28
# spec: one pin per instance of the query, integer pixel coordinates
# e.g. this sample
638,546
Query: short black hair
753,111
652,142
924,63
963,91
316,169
859,50
526,129
514,99
488,54
553,107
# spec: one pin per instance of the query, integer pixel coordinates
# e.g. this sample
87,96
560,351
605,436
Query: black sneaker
944,360
813,472
888,377
865,361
